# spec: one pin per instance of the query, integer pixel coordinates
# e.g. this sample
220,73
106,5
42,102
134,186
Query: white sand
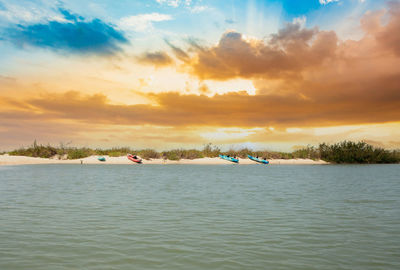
20,160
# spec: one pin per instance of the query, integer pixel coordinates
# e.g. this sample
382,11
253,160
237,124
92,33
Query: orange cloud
287,53
158,59
295,52
304,78
178,52
389,35
227,110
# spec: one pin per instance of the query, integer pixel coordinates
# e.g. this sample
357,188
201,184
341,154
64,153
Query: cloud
23,133
325,2
300,20
69,16
309,63
14,12
370,102
74,35
172,3
389,35
198,9
143,22
175,3
230,21
179,53
288,52
7,79
188,4
304,78
155,58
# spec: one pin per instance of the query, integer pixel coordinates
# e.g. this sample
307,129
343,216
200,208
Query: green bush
210,150
171,155
35,151
309,152
76,153
148,154
356,152
242,153
113,152
178,154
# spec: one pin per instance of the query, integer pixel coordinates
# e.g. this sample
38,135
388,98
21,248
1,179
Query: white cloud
172,3
300,20
28,13
198,9
175,3
190,5
324,2
143,22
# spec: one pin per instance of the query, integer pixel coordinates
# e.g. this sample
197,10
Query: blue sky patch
74,36
69,16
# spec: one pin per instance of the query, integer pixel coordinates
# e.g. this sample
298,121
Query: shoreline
23,160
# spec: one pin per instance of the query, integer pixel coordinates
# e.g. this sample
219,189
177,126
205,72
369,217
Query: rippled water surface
199,217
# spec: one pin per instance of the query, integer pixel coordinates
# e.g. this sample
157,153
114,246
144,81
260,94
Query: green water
199,217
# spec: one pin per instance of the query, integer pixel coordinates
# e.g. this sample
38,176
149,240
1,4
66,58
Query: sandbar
23,160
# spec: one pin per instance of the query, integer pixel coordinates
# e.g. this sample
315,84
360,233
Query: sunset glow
183,73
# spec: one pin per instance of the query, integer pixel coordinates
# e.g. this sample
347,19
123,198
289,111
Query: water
199,217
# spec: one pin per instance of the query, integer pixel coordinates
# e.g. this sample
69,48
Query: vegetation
178,154
342,152
242,153
113,152
308,152
210,150
35,151
148,154
357,152
75,153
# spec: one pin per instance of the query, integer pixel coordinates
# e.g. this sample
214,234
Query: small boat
101,159
134,158
259,160
232,159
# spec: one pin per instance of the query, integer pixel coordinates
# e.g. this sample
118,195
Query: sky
164,74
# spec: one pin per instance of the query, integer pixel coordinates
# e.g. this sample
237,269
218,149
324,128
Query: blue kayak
101,158
259,160
236,160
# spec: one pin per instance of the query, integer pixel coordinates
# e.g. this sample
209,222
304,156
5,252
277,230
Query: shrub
35,151
76,153
171,155
356,152
210,150
148,154
309,152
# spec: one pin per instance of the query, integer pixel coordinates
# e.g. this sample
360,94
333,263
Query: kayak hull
231,159
102,159
136,160
262,161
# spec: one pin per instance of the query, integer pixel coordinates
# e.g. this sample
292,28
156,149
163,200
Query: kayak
101,158
134,158
232,159
259,160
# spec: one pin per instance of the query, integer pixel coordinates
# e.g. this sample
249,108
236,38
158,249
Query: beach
23,160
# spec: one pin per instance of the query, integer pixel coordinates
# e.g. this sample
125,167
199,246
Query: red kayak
134,158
